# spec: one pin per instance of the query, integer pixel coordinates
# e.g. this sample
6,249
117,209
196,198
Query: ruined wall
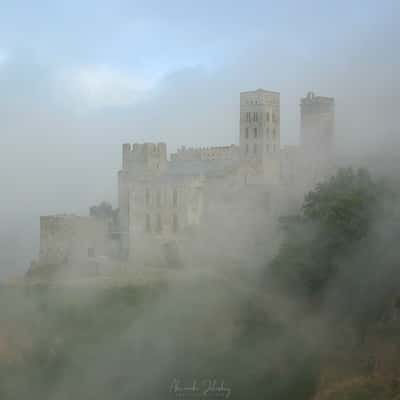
71,240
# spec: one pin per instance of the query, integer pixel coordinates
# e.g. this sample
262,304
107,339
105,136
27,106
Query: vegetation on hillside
340,260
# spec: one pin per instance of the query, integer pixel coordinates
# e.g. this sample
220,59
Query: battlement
259,97
313,103
317,124
206,153
143,153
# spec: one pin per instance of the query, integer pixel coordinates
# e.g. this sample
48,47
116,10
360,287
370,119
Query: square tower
317,125
259,124
141,162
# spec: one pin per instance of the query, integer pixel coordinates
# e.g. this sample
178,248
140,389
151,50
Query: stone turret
144,159
140,162
317,124
317,135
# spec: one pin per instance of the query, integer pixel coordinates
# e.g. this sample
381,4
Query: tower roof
312,98
259,90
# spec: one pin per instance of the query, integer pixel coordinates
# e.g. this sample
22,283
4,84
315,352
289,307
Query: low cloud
101,86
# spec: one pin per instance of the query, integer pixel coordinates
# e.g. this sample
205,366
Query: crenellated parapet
149,154
144,159
206,153
317,125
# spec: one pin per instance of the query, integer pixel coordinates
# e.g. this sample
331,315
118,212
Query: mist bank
314,318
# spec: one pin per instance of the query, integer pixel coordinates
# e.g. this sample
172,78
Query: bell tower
260,133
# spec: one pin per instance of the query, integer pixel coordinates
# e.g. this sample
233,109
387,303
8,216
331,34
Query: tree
336,215
345,205
103,210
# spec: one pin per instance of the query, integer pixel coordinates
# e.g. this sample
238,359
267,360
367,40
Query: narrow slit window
175,223
147,197
148,223
159,223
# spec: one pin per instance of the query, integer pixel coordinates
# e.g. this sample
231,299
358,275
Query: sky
79,78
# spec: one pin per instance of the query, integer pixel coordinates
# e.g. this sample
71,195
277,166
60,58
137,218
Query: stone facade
162,202
156,202
260,136
317,124
259,124
317,135
162,211
206,153
72,241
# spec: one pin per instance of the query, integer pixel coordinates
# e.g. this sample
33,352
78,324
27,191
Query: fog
71,94
62,123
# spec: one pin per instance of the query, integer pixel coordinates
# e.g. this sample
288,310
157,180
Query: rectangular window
268,116
175,223
159,223
158,198
267,148
255,148
255,132
175,198
90,252
247,148
148,223
247,133
147,197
